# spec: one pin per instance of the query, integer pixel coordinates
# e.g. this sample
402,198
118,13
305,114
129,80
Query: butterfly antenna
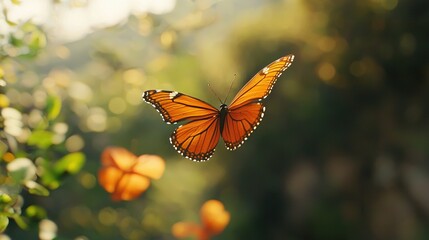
230,86
210,86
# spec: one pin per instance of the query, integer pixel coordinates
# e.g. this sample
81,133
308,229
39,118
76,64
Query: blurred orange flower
214,219
125,175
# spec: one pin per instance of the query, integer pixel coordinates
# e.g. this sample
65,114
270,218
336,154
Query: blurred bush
35,156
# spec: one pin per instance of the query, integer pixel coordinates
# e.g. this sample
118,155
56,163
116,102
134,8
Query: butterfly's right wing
196,139
246,111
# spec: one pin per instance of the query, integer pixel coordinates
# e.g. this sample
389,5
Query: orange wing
259,87
174,106
240,123
197,140
245,111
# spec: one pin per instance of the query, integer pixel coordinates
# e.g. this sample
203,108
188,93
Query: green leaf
36,189
5,198
10,23
53,107
14,41
48,175
71,163
35,211
4,221
36,43
41,139
20,221
50,180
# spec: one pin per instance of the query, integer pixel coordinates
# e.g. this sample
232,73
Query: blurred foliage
33,138
341,153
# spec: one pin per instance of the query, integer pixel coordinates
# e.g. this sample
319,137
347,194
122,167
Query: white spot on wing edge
265,70
173,94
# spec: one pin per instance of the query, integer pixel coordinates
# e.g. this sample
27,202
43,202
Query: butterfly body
222,114
198,137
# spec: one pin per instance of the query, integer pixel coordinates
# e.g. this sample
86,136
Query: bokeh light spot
4,101
108,216
4,237
126,226
74,143
60,128
145,25
11,113
47,229
117,105
134,96
29,79
35,117
168,38
81,215
326,44
12,121
80,91
8,157
59,78
87,180
39,98
151,220
326,71
133,76
62,52
81,238
387,4
96,121
25,99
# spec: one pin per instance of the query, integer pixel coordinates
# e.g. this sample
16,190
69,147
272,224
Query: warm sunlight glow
68,21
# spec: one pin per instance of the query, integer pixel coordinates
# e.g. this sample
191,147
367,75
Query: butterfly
198,137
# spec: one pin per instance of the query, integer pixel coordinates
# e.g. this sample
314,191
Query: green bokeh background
342,152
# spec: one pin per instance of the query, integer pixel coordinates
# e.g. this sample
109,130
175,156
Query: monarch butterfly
198,138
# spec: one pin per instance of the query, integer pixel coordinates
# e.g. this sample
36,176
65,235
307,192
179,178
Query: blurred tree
356,131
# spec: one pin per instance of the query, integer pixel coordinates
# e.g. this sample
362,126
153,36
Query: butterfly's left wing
240,123
246,111
197,138
259,87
